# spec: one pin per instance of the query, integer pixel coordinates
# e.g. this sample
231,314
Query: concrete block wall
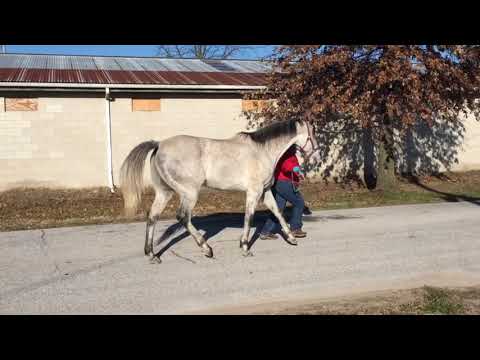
60,145
469,152
63,143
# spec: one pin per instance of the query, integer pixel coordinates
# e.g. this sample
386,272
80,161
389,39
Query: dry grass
423,301
43,208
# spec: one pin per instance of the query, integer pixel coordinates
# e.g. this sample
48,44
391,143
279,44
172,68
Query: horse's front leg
271,204
250,206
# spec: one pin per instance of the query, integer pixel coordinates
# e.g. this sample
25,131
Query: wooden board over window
145,104
21,104
254,105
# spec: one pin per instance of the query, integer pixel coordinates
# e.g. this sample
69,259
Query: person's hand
299,172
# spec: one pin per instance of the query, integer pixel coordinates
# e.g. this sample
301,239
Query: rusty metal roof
61,69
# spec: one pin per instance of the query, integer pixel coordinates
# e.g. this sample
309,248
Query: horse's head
306,141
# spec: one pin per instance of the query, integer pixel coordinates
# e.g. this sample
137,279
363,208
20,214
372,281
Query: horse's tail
131,175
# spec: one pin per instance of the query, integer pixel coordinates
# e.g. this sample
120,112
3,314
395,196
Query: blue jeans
283,192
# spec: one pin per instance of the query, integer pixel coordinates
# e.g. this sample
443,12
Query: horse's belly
226,176
221,184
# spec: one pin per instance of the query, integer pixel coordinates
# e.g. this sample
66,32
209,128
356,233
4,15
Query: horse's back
179,144
227,164
230,164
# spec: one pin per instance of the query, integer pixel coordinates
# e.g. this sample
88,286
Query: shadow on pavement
213,224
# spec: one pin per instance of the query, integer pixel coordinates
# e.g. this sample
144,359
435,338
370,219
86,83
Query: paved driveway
101,269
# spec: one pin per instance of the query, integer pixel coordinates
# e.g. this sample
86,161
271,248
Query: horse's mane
272,131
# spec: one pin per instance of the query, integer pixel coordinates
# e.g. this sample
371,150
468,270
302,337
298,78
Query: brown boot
298,233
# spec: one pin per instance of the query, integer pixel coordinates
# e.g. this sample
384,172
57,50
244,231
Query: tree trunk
369,170
386,179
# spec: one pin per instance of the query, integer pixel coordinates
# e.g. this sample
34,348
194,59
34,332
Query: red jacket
284,169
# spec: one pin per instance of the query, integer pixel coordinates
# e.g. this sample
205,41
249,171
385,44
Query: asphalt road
102,269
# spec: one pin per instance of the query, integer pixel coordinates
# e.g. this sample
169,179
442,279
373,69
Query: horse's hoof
292,241
247,253
208,252
155,260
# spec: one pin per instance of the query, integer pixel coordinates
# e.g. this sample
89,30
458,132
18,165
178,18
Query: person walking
288,175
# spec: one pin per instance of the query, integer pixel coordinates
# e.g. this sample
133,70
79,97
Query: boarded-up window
21,104
254,105
145,104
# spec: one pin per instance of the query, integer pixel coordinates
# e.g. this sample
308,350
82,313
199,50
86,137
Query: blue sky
114,50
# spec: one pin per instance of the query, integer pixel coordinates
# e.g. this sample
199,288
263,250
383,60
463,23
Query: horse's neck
278,148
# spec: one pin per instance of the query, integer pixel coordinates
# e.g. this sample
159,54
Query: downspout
108,121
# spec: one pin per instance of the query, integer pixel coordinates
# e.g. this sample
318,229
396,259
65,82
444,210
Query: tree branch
202,51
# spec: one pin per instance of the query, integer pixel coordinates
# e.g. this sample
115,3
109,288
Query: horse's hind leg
162,196
184,217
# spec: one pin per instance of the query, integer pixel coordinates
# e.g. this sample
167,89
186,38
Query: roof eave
24,86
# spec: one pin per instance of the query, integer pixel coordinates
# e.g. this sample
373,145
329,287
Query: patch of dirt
421,301
27,208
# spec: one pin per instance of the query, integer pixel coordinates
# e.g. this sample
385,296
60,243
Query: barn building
69,121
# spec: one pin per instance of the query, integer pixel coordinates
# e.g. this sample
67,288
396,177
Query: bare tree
204,51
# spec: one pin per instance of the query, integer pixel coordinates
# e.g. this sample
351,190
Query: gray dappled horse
183,164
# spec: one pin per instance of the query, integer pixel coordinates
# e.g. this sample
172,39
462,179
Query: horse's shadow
214,224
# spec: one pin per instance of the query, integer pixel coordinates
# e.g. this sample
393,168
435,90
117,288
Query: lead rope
293,183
